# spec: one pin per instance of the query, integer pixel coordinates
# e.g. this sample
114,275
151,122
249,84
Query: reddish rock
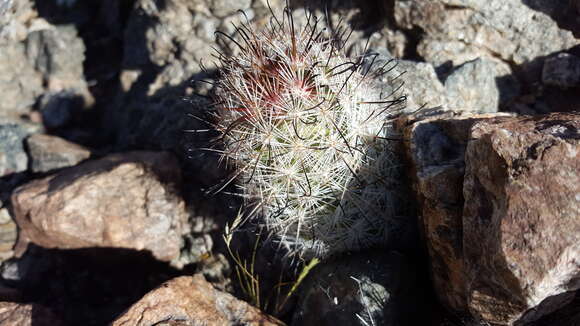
436,150
125,200
521,219
190,300
16,314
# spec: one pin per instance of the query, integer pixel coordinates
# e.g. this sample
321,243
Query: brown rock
521,219
51,152
436,150
125,200
15,314
190,300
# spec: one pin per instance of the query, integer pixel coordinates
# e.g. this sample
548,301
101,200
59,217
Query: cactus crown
306,129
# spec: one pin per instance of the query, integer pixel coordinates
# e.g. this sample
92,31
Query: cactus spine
305,128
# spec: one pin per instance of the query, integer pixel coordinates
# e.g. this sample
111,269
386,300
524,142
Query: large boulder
436,152
191,300
521,218
123,200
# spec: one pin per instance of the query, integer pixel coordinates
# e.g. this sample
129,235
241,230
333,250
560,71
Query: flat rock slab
521,218
191,300
128,200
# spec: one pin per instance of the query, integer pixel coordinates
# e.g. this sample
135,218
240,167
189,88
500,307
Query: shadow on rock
548,84
566,13
85,286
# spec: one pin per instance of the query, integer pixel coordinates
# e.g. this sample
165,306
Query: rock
123,201
13,158
18,314
8,235
223,8
58,54
15,18
461,31
361,289
473,86
562,70
164,48
424,88
436,149
50,152
521,225
20,84
36,57
191,300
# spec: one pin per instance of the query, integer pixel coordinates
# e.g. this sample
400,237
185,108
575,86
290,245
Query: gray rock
424,88
4,6
460,31
16,17
223,8
58,54
361,289
562,70
162,55
20,84
50,152
13,158
473,86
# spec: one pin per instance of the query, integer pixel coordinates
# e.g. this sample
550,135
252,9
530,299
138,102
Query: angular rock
192,300
424,88
36,57
562,70
126,200
460,31
58,54
521,219
473,86
361,289
50,152
20,84
13,158
17,314
436,152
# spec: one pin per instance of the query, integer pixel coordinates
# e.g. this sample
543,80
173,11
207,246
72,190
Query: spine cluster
306,130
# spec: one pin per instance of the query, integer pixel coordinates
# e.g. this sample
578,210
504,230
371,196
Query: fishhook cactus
306,130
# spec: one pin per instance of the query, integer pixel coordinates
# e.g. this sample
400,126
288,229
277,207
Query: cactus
306,130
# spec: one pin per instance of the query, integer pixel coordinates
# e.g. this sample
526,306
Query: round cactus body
305,128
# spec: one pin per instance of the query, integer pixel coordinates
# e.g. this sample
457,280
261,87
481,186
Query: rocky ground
106,209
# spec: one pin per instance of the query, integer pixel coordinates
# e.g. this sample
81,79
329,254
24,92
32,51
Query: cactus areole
306,129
